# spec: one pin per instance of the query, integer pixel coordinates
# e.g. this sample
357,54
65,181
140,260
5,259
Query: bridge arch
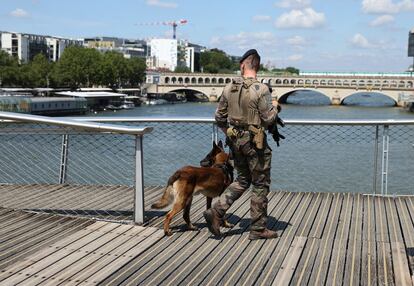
207,80
278,81
193,80
166,79
180,80
370,95
174,80
410,84
187,80
214,80
200,80
283,98
338,82
192,94
221,80
293,81
228,80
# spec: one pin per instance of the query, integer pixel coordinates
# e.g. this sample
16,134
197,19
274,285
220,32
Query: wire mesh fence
319,158
67,171
94,173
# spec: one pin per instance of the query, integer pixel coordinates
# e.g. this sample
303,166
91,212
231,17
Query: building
56,46
168,54
44,105
163,54
192,57
26,46
128,47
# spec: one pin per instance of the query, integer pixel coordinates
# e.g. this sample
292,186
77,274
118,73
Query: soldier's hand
276,105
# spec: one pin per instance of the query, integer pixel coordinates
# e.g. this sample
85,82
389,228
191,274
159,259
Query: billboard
411,44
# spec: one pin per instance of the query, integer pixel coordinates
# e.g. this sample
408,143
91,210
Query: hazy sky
313,35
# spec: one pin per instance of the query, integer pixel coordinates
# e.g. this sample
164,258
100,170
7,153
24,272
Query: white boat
127,105
157,102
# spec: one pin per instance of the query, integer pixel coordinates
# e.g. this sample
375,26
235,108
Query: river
320,158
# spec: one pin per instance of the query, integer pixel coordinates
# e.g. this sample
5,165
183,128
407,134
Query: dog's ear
220,144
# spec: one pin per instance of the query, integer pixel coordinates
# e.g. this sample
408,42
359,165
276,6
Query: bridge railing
373,156
46,153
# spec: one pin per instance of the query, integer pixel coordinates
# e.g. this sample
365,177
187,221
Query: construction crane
174,24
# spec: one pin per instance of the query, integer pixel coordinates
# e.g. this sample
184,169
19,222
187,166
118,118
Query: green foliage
288,70
8,70
292,70
182,69
217,61
77,67
38,71
113,69
136,71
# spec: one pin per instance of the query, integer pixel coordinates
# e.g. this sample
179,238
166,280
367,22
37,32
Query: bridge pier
335,100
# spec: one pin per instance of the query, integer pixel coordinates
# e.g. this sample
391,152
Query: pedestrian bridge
337,87
72,191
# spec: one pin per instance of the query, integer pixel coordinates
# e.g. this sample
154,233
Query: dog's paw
168,232
192,227
226,224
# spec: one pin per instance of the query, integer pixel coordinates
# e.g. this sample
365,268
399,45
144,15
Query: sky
312,35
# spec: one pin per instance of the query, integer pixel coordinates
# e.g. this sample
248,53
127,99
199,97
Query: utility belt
256,134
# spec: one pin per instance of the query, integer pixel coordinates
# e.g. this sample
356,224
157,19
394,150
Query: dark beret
248,53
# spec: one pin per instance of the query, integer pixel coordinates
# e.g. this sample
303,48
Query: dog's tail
168,194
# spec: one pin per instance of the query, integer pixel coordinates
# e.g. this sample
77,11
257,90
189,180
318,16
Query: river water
316,158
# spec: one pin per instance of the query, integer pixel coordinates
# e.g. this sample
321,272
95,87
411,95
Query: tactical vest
242,103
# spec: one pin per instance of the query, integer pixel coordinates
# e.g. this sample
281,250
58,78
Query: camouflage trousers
253,168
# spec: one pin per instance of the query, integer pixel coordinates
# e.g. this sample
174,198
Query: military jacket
245,102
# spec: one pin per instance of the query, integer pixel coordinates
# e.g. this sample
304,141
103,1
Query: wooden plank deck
325,239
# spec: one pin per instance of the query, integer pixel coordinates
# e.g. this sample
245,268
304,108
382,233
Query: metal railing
319,156
366,147
25,159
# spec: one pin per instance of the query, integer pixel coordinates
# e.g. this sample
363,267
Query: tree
78,67
39,70
292,70
136,71
9,70
182,69
215,61
114,70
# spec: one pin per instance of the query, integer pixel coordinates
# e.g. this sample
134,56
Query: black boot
213,221
262,234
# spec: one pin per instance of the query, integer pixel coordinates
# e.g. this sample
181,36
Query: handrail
211,120
76,124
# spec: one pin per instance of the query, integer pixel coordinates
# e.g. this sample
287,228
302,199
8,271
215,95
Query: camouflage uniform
243,103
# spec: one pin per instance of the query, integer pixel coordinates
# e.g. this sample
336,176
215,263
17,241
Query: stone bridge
336,88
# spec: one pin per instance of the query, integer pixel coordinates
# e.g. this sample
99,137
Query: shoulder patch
257,87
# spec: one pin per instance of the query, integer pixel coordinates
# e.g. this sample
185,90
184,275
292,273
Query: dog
211,179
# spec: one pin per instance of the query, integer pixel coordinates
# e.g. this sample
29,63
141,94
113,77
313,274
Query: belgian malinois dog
210,180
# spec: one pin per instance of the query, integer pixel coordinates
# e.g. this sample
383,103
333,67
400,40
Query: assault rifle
273,129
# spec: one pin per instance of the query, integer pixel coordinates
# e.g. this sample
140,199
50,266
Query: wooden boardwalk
325,239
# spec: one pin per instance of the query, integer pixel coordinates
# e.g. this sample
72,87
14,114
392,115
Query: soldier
244,111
